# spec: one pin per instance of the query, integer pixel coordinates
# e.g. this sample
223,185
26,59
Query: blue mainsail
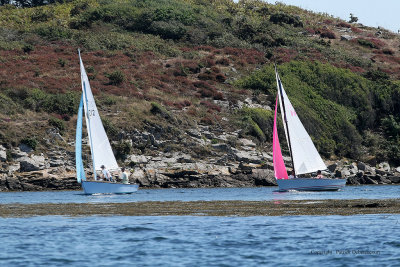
80,173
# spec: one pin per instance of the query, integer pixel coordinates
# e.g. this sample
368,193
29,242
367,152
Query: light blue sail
80,173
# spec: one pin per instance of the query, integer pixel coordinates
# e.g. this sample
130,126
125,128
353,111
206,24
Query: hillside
192,82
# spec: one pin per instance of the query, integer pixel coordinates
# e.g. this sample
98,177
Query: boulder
14,167
246,142
332,167
346,37
384,166
394,179
33,163
138,159
25,148
263,177
361,166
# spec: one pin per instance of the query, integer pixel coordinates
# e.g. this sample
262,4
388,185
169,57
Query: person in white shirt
292,175
106,173
124,176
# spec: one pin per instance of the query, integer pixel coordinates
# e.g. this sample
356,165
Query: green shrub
59,124
110,128
159,109
30,141
279,18
116,77
122,149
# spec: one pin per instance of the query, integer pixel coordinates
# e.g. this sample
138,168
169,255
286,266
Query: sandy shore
207,208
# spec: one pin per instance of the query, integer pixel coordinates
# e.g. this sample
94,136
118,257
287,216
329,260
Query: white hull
92,187
311,184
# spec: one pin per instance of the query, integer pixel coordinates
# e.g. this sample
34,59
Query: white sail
306,158
102,153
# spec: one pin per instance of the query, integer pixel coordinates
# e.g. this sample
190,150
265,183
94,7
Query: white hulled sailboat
304,155
100,147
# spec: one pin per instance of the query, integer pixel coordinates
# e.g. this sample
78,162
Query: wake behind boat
305,157
100,148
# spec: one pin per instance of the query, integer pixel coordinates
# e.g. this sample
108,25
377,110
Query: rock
246,142
17,153
368,180
361,166
221,147
345,172
3,154
244,156
263,177
346,37
16,166
33,163
138,159
332,167
353,181
398,169
194,133
25,148
394,179
384,166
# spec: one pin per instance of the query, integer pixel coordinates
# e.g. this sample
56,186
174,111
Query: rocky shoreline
166,158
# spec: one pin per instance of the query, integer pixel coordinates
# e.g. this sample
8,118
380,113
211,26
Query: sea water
204,194
360,240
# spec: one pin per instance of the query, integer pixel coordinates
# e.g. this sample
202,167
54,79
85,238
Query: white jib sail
102,153
305,156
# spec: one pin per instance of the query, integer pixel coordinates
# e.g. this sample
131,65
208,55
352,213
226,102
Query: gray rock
246,142
194,133
138,159
33,163
3,153
221,147
361,166
394,179
346,37
384,166
17,153
25,148
332,167
14,167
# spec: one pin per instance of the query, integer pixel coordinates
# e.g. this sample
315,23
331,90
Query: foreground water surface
360,240
205,194
367,240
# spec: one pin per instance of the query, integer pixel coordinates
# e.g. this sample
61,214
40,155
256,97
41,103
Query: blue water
207,194
201,241
361,240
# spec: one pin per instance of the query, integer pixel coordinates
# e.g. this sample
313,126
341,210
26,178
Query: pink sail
279,165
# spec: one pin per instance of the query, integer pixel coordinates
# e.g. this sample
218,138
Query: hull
310,184
93,187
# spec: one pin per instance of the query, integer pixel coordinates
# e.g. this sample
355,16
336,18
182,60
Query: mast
284,115
87,115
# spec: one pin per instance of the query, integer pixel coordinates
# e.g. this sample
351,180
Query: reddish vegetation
343,24
325,33
285,54
210,106
355,29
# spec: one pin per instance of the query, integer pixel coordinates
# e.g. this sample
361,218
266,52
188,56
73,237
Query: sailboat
100,147
304,156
